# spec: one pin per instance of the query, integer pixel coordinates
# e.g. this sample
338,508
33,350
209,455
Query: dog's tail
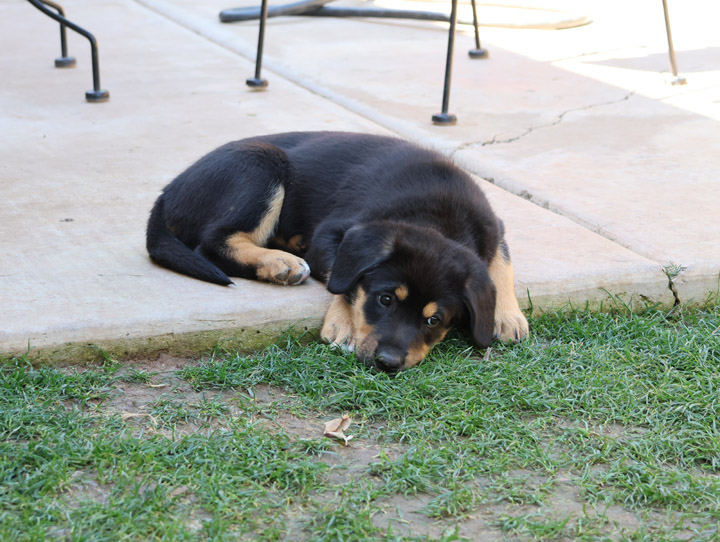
168,251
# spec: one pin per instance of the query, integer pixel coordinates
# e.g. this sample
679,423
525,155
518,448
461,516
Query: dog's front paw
283,268
511,326
337,328
339,337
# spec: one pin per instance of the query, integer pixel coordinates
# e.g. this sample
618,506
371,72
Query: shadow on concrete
695,60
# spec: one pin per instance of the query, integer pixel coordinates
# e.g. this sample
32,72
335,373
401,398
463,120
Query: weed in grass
343,521
135,376
641,484
138,512
518,489
313,447
549,524
209,408
454,502
170,411
535,524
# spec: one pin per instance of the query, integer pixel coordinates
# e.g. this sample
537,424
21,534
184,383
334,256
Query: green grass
599,427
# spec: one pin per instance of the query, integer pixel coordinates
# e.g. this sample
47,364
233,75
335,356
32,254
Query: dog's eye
385,300
432,321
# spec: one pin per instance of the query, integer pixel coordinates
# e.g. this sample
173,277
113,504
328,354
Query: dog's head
407,286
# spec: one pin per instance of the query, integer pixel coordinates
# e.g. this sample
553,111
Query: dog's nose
389,360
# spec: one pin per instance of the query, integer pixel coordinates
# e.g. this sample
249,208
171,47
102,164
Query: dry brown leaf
338,424
336,429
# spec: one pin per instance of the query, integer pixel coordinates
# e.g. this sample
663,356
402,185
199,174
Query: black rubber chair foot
97,95
444,119
256,83
65,62
478,53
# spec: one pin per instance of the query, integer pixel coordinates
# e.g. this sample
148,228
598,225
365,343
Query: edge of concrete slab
195,343
697,287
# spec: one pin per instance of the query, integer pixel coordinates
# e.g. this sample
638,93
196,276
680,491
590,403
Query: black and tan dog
405,239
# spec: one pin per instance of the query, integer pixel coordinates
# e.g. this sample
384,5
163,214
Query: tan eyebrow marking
401,292
430,309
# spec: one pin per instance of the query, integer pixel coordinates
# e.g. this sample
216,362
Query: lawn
601,426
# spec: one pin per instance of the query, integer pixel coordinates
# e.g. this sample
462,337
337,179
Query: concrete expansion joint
560,117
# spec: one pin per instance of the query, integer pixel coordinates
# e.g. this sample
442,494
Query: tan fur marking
419,349
364,337
262,233
345,325
338,325
510,322
401,292
415,355
248,248
430,309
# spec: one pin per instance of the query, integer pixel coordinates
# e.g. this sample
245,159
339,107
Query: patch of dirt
271,409
611,430
405,516
83,486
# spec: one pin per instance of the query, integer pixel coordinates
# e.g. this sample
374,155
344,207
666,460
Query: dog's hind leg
510,322
244,253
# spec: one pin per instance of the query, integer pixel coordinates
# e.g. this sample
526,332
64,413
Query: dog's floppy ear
480,303
362,248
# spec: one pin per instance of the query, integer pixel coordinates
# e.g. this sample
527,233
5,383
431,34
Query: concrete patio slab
78,179
584,122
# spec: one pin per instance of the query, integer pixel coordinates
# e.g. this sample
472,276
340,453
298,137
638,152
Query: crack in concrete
558,120
674,291
672,271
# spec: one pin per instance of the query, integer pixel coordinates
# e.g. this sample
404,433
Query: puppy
405,239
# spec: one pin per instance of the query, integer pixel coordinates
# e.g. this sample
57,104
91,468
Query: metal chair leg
444,118
96,94
317,8
671,48
63,61
478,52
257,82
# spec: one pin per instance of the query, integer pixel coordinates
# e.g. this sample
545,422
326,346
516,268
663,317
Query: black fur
371,209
